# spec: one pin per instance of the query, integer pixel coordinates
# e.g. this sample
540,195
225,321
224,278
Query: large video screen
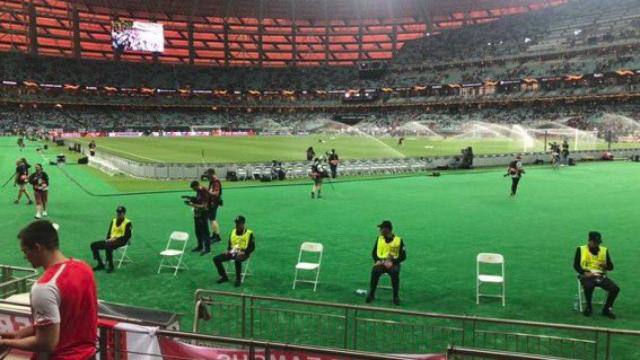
129,35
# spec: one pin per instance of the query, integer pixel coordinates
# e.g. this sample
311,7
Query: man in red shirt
64,304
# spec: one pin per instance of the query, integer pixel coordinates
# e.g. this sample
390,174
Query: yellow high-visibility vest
118,231
240,241
391,249
589,262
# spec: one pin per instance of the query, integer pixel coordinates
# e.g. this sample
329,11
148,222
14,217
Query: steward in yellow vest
388,252
118,235
241,245
592,262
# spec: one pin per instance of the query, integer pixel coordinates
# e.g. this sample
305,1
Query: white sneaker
38,216
44,213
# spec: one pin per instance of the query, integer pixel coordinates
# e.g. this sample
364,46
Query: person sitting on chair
118,235
241,245
388,252
592,262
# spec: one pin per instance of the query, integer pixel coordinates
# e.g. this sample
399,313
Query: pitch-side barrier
111,163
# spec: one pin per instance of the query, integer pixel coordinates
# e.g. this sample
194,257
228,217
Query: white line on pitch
128,153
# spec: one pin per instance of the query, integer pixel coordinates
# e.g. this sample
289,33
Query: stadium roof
245,32
303,9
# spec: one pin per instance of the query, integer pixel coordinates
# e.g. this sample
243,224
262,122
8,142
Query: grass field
292,148
445,222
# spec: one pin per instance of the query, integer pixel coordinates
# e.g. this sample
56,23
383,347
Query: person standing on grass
555,157
118,235
21,179
565,152
310,153
592,262
200,204
92,148
388,252
333,163
40,182
515,171
316,176
241,245
215,201
64,304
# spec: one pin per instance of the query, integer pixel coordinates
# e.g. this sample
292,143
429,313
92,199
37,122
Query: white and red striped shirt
66,295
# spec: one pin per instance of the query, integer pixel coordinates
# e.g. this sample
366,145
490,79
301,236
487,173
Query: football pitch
248,149
445,222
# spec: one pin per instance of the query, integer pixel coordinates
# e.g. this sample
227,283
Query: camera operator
317,170
200,204
555,155
333,163
215,194
565,152
515,171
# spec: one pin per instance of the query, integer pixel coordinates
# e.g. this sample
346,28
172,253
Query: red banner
178,350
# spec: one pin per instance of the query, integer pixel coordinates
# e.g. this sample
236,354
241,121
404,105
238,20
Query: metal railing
398,331
463,353
255,349
111,342
15,280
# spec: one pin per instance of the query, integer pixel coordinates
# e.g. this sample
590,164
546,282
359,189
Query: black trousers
224,257
514,185
377,271
334,171
108,247
201,224
589,284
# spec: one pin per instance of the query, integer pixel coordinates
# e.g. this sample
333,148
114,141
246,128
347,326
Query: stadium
246,156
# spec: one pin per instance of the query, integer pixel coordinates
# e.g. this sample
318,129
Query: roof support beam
357,4
33,29
225,21
327,27
75,34
192,48
425,12
261,54
294,34
394,30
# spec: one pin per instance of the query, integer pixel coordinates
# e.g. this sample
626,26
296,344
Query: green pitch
292,148
445,222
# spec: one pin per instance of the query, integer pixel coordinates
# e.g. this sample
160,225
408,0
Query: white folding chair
230,268
121,256
582,298
309,247
173,254
495,259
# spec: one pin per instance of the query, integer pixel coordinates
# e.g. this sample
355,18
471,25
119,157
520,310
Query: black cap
386,224
121,210
239,219
595,237
210,172
194,183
